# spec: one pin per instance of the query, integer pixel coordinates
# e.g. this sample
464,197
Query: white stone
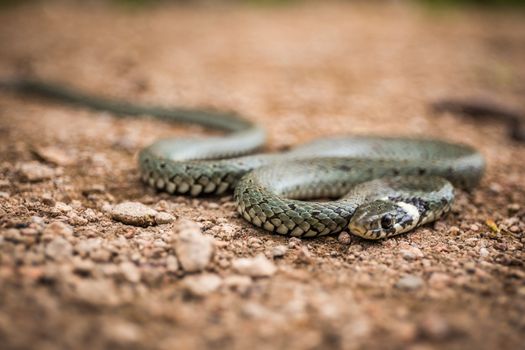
193,249
409,282
259,266
203,284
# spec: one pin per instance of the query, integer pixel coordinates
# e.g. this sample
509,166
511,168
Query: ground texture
71,276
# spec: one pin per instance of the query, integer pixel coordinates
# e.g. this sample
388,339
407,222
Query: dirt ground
72,277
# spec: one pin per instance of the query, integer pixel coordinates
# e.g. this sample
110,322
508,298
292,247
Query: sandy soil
72,277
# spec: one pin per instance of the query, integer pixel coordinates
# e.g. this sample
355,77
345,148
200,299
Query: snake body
377,186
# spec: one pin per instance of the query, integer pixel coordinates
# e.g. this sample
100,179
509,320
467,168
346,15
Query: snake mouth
366,233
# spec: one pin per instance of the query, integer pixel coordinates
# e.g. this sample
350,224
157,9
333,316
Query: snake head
383,218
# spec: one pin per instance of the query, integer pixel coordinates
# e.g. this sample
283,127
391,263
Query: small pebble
409,252
454,230
344,238
439,280
58,228
435,327
34,171
203,284
138,214
63,207
514,229
172,264
121,332
279,251
409,282
238,283
130,272
483,252
294,242
513,208
54,155
59,249
259,266
163,218
193,249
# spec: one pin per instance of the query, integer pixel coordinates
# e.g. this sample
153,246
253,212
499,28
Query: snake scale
375,187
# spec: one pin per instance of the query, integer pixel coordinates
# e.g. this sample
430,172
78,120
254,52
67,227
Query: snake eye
386,221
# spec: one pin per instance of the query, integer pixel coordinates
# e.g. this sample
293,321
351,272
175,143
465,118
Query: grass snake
374,187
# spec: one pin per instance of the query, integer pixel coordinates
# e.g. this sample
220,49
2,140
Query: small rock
238,283
202,285
34,171
303,256
54,155
76,220
59,249
344,238
63,207
122,332
439,280
96,292
259,266
435,327
410,252
58,228
474,228
130,272
294,242
163,218
455,230
100,255
513,208
83,266
483,252
193,249
138,214
470,267
514,229
172,265
279,251
409,282
86,246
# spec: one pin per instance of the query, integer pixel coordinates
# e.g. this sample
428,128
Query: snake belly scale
375,187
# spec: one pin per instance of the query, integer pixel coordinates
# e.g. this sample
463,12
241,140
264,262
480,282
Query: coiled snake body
379,187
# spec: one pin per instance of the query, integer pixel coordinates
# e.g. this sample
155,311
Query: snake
373,187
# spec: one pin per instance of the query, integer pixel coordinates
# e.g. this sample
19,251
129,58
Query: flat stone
409,282
138,214
259,266
54,155
35,172
203,284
